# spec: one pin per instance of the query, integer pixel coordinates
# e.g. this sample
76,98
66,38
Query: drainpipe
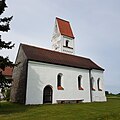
90,85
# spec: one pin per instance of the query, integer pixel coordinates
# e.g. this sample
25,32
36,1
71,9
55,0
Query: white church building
58,75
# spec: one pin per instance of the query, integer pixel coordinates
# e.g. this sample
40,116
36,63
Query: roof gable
65,28
53,57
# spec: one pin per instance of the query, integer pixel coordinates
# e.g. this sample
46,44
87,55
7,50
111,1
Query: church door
47,94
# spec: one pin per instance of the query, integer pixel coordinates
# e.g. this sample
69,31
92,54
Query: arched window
92,83
98,84
79,82
59,80
67,41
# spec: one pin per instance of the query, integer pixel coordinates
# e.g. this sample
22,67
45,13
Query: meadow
109,110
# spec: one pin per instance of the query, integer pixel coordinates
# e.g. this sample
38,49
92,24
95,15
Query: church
58,75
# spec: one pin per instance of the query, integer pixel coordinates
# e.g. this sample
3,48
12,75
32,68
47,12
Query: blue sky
95,24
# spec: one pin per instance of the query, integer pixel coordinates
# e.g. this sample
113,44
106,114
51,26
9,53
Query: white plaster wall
70,44
98,95
42,74
56,38
60,42
67,50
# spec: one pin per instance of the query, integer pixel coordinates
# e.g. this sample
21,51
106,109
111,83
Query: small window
79,82
59,79
98,85
92,83
67,41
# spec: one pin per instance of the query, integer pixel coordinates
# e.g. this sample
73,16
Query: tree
4,61
106,92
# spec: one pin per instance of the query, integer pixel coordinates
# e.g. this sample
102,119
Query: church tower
63,38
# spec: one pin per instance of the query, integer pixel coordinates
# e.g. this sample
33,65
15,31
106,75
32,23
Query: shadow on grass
85,111
9,108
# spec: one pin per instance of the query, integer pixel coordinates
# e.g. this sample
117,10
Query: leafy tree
4,61
106,93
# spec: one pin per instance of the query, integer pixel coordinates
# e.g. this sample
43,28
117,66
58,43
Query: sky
95,24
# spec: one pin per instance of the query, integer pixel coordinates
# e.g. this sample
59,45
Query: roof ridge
55,51
62,19
50,56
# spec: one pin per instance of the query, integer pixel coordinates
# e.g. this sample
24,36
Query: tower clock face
57,45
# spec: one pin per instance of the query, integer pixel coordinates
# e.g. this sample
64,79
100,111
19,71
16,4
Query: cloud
96,25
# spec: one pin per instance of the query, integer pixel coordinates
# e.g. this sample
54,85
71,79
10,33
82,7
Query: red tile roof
53,57
8,71
64,27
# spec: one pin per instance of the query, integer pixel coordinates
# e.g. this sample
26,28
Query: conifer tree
4,61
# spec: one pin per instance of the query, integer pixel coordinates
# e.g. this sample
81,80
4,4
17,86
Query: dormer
63,38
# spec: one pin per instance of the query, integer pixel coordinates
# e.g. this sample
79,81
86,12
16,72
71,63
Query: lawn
84,111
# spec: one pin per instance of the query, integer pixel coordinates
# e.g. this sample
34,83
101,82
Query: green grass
85,111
